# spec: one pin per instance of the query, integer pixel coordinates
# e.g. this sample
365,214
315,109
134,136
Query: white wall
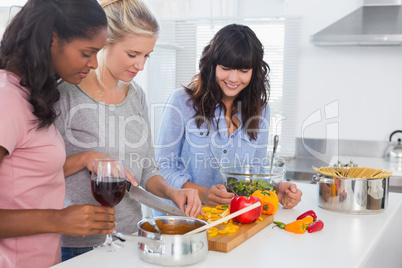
360,86
363,84
7,3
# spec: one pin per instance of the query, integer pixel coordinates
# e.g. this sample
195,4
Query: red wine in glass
109,193
108,186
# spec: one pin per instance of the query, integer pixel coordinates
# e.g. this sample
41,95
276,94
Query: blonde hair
125,18
104,3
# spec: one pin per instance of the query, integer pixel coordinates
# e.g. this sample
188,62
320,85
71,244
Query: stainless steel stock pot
352,195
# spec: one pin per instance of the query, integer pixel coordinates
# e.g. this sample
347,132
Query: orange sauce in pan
171,228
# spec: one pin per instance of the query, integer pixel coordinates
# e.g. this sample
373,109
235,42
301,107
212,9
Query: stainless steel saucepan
171,248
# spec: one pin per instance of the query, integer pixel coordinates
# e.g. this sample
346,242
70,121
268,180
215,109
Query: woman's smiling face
232,81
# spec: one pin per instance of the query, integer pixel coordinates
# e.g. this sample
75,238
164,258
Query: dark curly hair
236,47
26,45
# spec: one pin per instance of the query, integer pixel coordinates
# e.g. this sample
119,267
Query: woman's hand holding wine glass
83,220
108,186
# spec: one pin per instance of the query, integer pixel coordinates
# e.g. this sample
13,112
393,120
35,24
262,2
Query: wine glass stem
108,240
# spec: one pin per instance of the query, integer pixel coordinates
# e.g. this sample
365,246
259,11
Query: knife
154,202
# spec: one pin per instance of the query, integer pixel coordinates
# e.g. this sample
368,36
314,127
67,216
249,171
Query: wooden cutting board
225,243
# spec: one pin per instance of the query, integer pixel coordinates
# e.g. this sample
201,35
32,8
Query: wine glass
108,186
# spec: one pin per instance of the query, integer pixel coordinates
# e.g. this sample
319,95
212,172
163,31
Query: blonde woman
107,116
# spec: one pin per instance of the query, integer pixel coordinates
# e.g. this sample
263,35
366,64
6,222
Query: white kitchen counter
346,241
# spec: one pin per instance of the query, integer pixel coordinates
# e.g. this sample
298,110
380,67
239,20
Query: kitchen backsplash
324,149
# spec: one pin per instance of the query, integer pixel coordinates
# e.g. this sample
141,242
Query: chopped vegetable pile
247,188
215,213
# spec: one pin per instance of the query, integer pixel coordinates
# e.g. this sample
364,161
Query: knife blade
154,202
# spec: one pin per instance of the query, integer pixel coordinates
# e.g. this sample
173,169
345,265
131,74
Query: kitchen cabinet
346,241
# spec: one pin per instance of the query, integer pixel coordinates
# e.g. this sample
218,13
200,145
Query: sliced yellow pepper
212,214
206,209
231,231
213,234
212,229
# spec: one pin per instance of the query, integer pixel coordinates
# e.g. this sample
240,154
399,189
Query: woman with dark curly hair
220,119
44,42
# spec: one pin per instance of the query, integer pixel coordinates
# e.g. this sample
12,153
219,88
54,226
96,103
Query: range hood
377,22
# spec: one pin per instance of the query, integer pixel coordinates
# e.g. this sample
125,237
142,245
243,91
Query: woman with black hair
44,42
220,119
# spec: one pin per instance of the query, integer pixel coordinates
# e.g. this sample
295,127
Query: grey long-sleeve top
121,131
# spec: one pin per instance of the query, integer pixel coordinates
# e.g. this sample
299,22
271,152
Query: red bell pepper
239,202
315,226
307,213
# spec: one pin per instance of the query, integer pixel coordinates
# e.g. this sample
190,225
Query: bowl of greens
245,180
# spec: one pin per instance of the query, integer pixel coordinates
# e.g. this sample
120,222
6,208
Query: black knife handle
128,185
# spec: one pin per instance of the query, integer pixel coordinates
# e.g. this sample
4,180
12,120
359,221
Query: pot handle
153,244
197,246
323,179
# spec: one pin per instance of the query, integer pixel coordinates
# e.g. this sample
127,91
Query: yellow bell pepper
269,201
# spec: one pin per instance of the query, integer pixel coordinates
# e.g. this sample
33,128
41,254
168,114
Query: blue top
187,153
